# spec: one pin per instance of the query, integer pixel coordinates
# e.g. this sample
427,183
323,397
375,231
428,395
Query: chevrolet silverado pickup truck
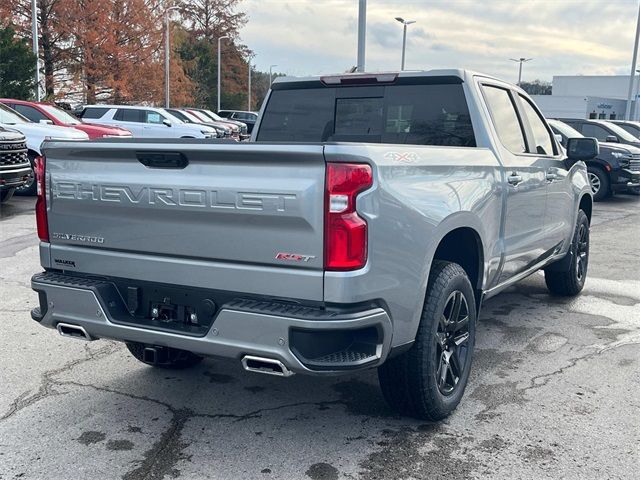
15,168
362,226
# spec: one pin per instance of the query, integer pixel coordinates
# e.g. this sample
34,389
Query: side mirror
612,139
582,148
166,122
558,138
45,121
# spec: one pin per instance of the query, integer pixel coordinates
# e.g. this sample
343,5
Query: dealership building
589,96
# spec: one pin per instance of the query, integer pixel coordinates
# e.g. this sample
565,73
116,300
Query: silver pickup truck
363,226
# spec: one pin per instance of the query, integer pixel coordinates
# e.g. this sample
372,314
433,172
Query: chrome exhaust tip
268,366
73,331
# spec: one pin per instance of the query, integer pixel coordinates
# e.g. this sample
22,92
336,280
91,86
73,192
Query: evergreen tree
17,66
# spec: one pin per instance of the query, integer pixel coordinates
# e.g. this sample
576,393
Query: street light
520,60
249,83
404,36
219,60
166,55
635,110
270,70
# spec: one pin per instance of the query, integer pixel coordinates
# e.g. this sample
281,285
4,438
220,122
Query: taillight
345,233
41,202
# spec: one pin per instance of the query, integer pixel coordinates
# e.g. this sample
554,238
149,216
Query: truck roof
462,74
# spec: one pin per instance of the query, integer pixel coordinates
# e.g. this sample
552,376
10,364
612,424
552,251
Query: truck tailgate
234,210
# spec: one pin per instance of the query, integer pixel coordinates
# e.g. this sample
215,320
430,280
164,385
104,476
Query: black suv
249,118
616,168
630,126
603,130
15,168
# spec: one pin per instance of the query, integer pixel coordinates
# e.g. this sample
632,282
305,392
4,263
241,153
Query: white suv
148,122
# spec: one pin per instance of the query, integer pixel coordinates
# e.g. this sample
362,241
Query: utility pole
167,49
362,33
633,69
270,73
219,60
520,60
34,33
249,89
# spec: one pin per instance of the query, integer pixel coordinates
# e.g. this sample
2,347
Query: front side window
31,113
505,118
541,138
590,130
153,117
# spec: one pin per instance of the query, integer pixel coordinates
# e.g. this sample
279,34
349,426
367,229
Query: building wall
608,86
556,106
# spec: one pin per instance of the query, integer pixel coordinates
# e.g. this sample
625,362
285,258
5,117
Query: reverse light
41,202
345,232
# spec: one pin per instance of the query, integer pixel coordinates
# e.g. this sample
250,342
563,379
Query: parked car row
39,121
617,166
151,122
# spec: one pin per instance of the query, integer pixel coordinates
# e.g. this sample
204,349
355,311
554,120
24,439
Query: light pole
635,108
166,55
362,33
404,36
34,32
249,86
219,60
633,68
520,60
270,70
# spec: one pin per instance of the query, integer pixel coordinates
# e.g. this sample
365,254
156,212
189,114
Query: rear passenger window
127,115
541,136
94,112
505,118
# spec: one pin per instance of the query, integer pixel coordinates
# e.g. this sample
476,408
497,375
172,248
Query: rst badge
294,257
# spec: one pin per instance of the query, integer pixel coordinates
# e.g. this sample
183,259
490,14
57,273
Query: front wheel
599,181
568,276
428,381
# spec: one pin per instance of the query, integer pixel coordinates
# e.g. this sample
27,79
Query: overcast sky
564,37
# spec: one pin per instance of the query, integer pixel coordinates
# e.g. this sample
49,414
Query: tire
412,382
600,184
172,357
30,188
568,281
634,191
5,195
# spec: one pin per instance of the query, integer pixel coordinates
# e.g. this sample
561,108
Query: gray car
363,226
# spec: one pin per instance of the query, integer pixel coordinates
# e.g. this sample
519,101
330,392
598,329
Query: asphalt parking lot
554,393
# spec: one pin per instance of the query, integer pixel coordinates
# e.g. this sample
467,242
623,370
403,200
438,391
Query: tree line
112,51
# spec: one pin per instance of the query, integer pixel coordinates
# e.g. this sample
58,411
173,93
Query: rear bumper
306,340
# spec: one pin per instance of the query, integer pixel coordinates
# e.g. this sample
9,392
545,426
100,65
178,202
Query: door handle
514,179
551,176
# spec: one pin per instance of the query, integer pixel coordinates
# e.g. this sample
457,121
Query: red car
40,111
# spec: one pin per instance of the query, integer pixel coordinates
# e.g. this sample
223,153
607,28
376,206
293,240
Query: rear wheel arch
464,246
586,205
